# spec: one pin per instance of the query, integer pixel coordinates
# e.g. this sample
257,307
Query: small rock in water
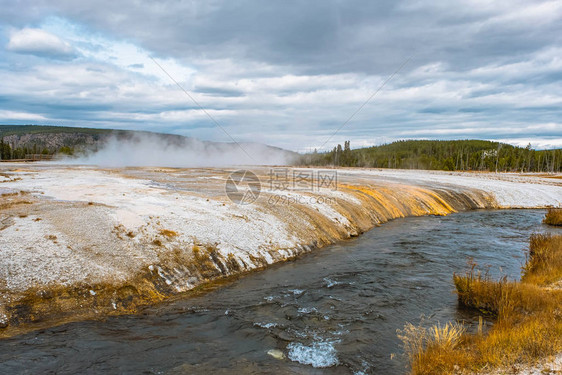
3,320
276,353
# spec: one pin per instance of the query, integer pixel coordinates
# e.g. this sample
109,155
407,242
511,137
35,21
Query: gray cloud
314,37
320,36
290,73
218,91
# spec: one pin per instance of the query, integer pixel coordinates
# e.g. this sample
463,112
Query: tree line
463,155
7,152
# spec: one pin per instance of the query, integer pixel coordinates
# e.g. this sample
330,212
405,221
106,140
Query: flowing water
335,311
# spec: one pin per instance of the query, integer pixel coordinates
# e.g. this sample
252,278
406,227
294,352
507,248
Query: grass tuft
437,342
544,259
553,217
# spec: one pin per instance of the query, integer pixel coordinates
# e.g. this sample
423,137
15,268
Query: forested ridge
8,152
464,155
33,141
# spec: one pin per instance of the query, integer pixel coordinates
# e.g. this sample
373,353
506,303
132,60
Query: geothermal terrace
80,241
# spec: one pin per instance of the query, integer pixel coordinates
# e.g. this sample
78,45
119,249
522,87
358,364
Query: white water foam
319,354
296,292
307,310
331,283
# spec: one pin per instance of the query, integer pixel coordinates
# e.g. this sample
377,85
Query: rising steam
146,149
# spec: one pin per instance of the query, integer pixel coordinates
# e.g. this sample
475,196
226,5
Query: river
333,311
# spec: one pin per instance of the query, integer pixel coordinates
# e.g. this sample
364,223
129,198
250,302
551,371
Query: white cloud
12,115
39,42
536,143
530,14
120,53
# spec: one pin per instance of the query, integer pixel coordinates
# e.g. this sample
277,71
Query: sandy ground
62,226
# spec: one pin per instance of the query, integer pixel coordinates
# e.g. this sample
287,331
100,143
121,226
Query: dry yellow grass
528,317
439,340
553,217
544,261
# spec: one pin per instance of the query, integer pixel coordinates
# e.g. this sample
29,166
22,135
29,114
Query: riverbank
81,242
527,332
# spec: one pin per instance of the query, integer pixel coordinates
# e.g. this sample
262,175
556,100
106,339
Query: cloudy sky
288,73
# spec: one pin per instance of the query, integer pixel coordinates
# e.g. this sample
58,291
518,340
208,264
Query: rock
276,353
282,335
3,320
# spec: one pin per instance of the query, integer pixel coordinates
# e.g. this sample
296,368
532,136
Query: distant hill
21,141
6,130
475,155
17,141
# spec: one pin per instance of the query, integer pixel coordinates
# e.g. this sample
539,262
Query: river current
333,311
